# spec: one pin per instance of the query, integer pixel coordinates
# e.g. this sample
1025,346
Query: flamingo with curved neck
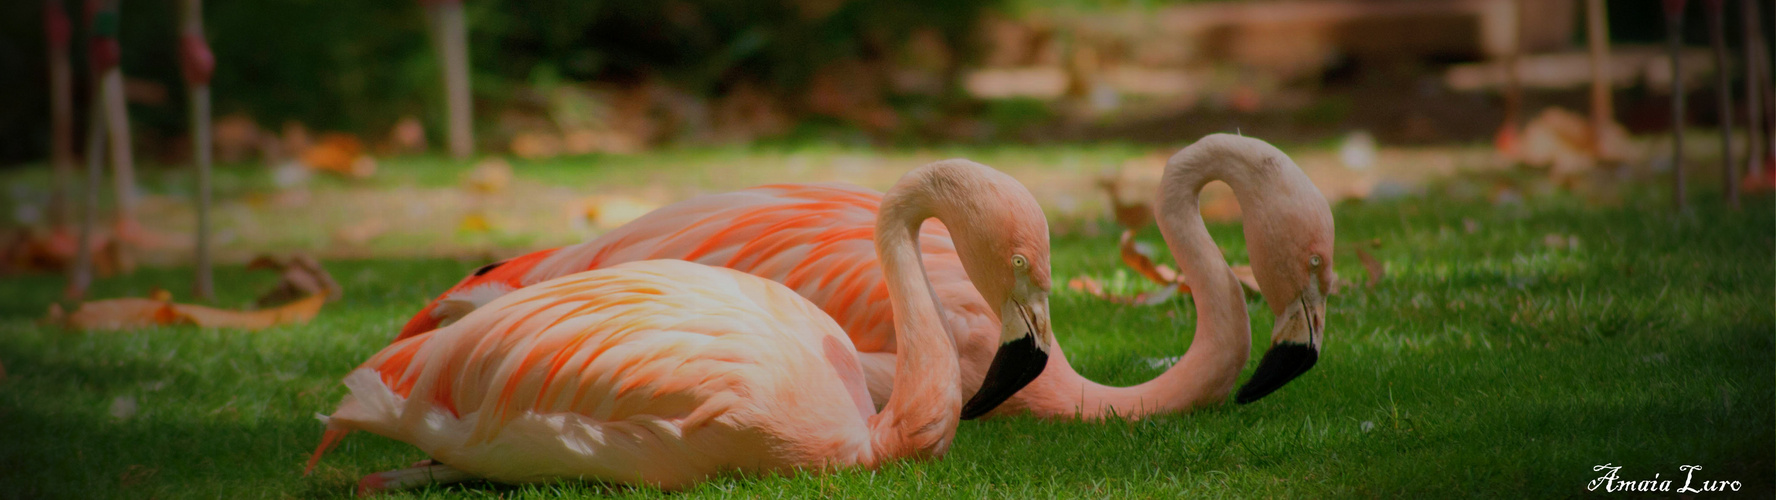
667,372
816,239
1288,228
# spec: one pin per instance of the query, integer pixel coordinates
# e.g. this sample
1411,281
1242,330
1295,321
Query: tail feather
329,439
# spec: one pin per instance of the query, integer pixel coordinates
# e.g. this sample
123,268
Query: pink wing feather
818,239
658,372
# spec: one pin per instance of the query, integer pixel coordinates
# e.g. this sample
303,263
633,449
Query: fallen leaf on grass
474,223
609,212
298,312
1567,144
1374,267
1151,297
133,313
360,233
1140,257
33,251
341,154
1132,215
301,276
490,176
113,314
536,145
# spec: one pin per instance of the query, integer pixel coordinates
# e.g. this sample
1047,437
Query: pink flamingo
666,372
816,239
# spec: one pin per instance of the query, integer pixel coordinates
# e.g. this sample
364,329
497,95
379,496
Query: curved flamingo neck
920,417
1208,370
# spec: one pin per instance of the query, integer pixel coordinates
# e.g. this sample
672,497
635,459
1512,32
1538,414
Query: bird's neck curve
925,405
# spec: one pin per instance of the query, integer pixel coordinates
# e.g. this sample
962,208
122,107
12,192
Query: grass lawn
1496,358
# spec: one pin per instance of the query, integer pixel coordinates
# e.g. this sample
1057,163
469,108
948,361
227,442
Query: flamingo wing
815,238
657,372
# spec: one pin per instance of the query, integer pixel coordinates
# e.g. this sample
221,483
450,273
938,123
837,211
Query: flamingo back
818,239
656,372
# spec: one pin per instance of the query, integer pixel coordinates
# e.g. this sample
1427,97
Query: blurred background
333,132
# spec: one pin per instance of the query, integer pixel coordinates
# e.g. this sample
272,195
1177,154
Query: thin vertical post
58,32
1674,33
1602,105
197,64
451,40
1507,138
1723,71
1757,83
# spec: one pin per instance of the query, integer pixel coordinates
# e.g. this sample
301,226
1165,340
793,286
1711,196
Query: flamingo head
1001,237
1291,250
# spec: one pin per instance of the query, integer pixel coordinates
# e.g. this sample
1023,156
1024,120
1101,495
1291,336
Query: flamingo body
667,372
817,239
656,372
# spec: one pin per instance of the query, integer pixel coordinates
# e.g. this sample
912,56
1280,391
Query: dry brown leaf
300,276
1151,297
1087,285
609,212
114,314
1373,267
341,154
1142,261
407,136
536,145
133,313
1132,215
34,251
298,312
474,223
361,232
1568,144
490,176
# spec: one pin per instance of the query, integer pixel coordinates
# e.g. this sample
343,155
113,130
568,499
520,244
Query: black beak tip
1281,364
1014,366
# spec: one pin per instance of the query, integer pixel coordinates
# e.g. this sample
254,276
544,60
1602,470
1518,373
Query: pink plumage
667,372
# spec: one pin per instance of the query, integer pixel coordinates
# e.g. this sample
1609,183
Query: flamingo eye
1314,261
1019,261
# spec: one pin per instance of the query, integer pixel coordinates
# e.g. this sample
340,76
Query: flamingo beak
1294,347
1023,352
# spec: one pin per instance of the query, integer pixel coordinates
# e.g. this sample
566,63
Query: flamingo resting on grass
667,373
815,238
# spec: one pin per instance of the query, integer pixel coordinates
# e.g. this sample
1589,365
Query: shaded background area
562,77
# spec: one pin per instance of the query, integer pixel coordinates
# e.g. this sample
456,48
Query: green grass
1486,363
